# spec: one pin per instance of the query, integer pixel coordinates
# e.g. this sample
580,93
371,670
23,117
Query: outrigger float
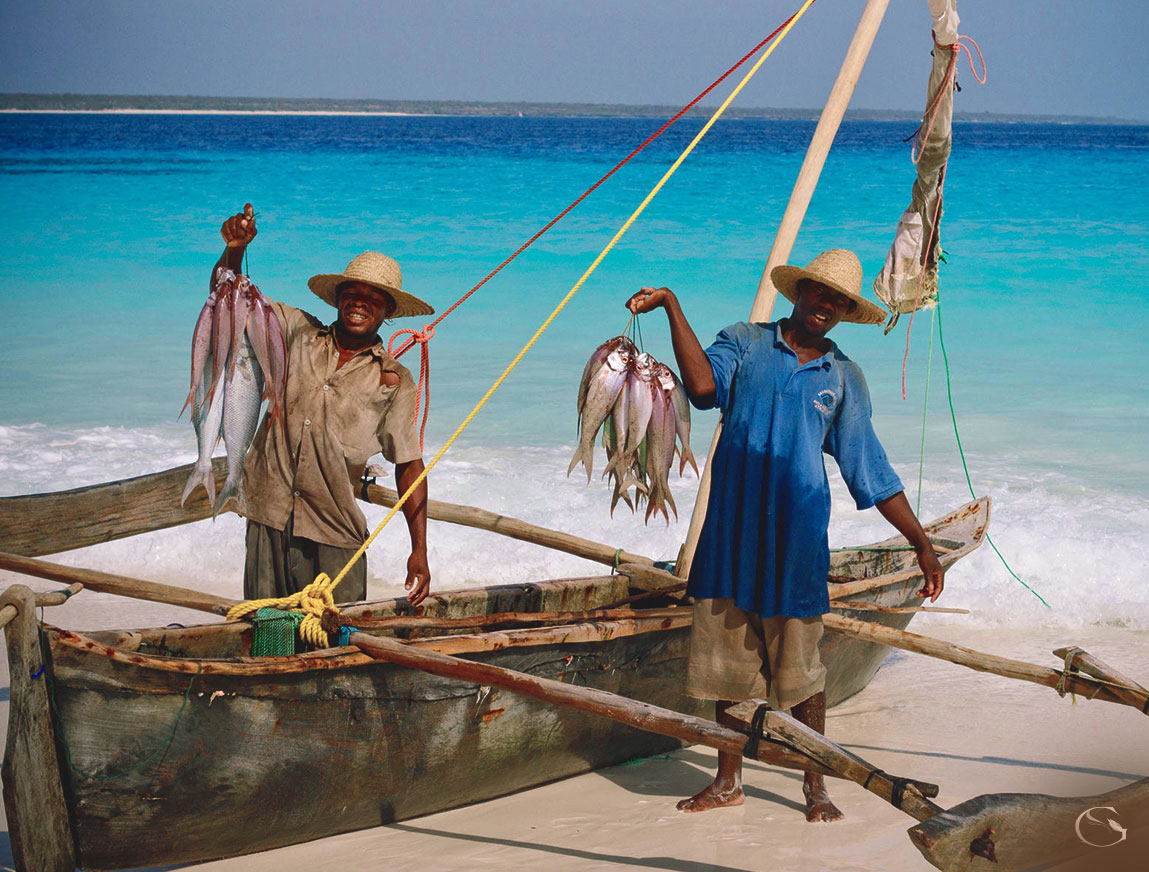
142,747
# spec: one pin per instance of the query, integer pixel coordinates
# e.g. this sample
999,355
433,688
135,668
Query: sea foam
1084,550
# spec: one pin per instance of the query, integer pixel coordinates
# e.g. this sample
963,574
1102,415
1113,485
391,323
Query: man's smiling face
362,308
819,307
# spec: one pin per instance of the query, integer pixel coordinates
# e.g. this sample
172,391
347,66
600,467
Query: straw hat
377,270
838,268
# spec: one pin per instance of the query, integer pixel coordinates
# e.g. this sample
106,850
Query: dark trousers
279,564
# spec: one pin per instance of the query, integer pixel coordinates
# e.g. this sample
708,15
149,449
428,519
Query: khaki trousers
279,564
738,655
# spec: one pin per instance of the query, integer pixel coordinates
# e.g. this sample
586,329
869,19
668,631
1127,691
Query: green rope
961,453
925,411
162,749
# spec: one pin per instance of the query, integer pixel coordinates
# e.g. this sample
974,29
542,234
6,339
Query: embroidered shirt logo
825,402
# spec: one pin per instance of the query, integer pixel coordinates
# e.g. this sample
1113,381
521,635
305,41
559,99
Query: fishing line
678,115
925,411
424,336
961,453
317,596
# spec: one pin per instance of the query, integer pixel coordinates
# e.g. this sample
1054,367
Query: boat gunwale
343,657
346,657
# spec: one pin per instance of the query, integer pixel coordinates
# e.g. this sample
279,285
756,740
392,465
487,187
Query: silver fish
207,418
242,399
677,394
597,360
239,358
602,391
660,453
201,348
638,410
276,375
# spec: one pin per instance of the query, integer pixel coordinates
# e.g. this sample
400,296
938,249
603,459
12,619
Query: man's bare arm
418,581
897,511
237,232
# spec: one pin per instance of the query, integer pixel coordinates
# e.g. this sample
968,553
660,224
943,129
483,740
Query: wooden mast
816,153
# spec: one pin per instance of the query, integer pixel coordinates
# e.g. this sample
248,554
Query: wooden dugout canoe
173,745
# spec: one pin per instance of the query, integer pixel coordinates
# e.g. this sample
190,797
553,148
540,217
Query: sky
1061,57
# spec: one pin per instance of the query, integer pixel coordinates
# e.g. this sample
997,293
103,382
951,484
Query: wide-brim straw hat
838,268
377,270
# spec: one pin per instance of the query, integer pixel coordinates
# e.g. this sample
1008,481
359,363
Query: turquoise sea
110,228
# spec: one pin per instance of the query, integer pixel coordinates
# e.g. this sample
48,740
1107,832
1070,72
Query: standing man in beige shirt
346,399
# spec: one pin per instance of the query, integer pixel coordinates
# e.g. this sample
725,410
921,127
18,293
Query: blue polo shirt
764,543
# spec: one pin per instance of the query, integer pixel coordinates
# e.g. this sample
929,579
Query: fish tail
234,491
200,475
187,402
584,454
687,456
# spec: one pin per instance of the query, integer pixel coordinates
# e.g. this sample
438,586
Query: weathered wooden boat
173,744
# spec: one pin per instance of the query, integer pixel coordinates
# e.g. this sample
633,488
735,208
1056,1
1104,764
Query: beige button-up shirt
336,420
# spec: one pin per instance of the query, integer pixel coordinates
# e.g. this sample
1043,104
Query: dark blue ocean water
110,223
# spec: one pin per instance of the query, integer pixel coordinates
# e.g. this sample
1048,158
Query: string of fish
641,408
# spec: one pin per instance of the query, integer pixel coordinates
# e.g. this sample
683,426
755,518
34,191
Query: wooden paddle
106,582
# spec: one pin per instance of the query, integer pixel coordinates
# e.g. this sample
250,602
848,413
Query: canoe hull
258,763
176,747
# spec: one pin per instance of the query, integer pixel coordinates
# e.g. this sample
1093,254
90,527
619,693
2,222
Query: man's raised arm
237,232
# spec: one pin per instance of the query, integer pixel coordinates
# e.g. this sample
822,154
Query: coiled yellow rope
317,596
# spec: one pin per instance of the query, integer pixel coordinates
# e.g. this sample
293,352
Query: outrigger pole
787,232
999,832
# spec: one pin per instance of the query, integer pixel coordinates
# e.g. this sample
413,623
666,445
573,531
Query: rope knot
316,597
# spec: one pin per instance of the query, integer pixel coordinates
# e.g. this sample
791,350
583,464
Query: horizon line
71,102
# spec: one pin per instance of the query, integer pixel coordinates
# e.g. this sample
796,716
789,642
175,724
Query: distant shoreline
304,112
102,104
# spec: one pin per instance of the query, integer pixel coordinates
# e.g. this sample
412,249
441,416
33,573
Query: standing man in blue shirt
787,394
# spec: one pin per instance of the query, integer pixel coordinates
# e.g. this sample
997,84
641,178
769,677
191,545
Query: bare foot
713,796
819,808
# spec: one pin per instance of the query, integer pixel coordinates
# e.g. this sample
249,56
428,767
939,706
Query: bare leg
726,790
812,713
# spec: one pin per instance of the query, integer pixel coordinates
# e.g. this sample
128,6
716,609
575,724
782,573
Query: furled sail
909,277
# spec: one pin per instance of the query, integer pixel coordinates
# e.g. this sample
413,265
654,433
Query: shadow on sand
673,864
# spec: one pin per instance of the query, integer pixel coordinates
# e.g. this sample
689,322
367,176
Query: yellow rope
317,595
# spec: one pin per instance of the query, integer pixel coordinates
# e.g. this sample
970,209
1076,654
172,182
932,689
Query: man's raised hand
238,230
649,299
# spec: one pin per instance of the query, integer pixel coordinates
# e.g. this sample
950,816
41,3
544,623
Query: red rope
429,330
932,110
922,274
422,338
